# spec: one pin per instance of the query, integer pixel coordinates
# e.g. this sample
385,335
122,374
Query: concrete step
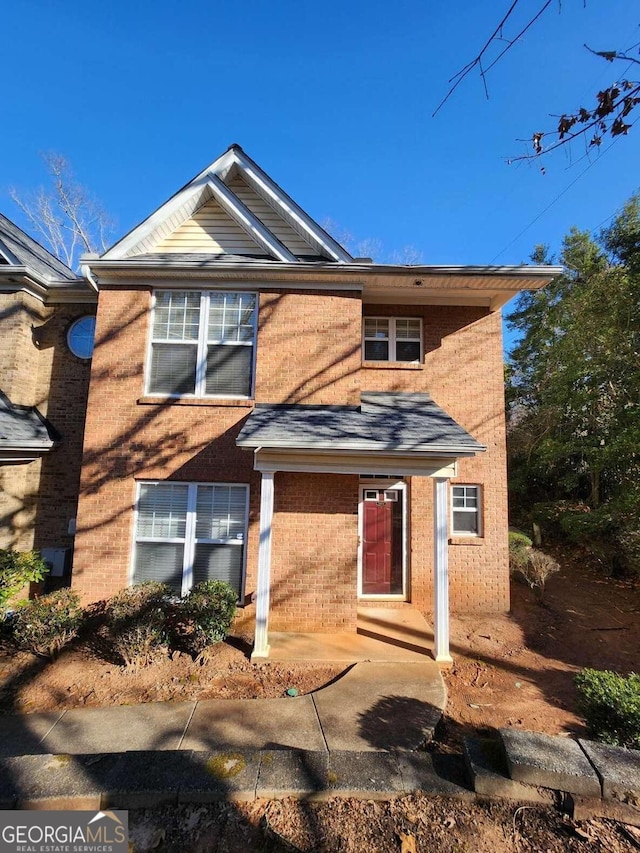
549,762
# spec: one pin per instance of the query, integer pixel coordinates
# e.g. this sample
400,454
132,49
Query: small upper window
80,337
393,339
465,511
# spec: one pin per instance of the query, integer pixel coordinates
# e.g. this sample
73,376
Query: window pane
218,562
162,510
229,370
407,351
176,316
173,369
376,351
220,512
376,328
407,329
159,561
231,316
465,522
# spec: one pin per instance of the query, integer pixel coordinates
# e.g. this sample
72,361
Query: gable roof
384,422
22,250
269,218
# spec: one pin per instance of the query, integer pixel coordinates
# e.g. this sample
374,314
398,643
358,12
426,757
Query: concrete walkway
373,707
356,737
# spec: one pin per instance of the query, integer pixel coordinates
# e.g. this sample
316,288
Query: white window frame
477,510
201,345
392,340
189,540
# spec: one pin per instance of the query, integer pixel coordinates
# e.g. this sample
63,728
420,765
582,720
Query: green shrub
205,614
581,524
46,624
17,569
136,622
519,548
628,543
610,705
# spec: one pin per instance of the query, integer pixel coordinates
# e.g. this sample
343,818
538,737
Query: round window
80,337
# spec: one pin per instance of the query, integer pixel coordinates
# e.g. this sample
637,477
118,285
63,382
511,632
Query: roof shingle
383,422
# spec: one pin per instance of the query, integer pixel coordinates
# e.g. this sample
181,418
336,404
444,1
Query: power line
550,205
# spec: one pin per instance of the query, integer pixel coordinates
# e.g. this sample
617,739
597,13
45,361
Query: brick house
321,431
46,326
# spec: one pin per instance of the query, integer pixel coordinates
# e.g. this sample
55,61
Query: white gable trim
250,223
121,249
212,180
288,209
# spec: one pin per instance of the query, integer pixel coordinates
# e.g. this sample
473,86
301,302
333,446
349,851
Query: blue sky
334,100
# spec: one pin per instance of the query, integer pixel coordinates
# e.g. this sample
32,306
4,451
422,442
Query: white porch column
441,571
263,585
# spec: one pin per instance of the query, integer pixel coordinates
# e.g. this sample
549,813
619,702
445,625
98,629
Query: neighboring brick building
319,430
44,310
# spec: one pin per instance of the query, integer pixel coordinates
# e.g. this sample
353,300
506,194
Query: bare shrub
538,569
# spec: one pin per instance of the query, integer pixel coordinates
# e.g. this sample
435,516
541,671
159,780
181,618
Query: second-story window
393,339
202,344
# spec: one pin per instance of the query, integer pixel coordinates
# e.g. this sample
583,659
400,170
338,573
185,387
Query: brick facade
38,499
308,351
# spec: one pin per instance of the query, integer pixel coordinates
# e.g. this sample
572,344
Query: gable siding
267,215
210,229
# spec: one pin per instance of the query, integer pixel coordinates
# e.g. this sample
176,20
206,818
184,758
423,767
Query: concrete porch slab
384,634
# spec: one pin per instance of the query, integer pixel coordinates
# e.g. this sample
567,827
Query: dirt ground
517,669
415,824
510,670
81,678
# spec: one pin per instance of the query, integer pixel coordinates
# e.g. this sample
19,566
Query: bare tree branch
496,35
66,217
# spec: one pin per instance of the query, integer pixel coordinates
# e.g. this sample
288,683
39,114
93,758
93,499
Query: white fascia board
250,223
335,463
452,450
543,271
22,279
263,184
147,226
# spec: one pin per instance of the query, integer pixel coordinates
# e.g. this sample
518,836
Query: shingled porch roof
384,422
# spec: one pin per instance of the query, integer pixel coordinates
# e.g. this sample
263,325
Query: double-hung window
465,511
190,532
202,344
393,339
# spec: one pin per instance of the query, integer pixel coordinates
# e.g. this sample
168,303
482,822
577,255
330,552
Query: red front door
381,543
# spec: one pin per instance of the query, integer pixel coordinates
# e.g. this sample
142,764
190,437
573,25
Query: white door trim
400,486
